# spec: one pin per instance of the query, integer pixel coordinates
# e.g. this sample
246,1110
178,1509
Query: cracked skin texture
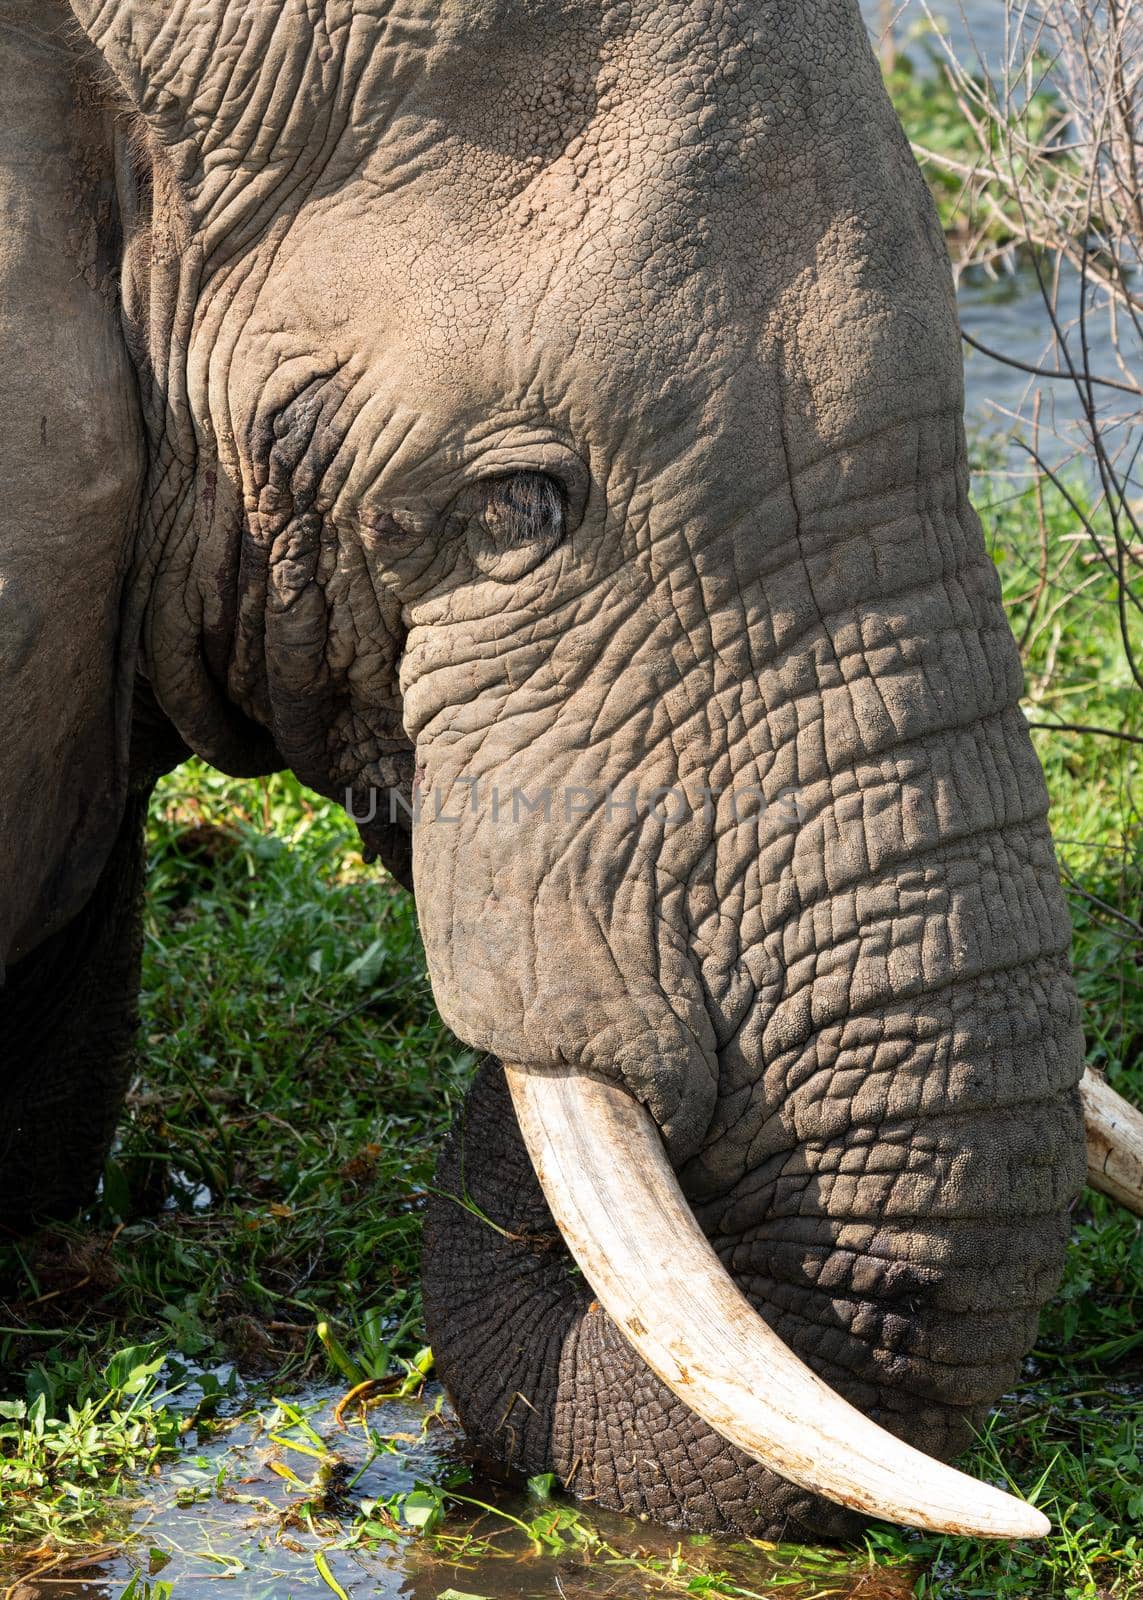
676,256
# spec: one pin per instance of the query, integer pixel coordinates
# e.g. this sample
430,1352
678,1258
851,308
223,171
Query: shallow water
223,1514
1007,315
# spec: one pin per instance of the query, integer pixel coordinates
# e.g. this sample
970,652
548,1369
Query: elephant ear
232,91
71,464
242,101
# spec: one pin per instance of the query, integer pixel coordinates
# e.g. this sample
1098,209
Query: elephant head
553,430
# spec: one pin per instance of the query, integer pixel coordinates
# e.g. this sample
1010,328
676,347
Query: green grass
76,1439
294,1086
294,1083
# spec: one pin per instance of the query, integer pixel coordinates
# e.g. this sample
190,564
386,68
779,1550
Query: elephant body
526,411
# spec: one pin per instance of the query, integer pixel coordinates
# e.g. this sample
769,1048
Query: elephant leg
68,1017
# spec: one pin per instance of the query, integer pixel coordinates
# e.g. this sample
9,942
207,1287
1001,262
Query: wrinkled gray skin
677,258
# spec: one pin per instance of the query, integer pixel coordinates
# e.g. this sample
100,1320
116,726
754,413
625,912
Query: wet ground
266,1507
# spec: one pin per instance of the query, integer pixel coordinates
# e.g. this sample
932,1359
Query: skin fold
566,398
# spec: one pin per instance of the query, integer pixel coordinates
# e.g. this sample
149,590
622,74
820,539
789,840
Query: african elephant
544,417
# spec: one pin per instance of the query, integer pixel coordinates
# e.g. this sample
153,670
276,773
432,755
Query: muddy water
247,1512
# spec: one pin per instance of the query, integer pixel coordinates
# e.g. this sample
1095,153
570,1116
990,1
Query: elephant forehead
548,188
719,91
490,93
717,44
781,97
645,195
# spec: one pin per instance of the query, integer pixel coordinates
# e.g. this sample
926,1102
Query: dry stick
1083,727
1054,478
1083,381
1046,372
1042,529
1108,477
1123,100
1058,233
1100,905
1117,501
888,42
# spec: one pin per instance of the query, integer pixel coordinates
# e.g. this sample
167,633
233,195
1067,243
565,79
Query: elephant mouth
605,1174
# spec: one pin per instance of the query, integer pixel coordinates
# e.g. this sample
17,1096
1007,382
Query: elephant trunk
856,1030
896,1138
918,1326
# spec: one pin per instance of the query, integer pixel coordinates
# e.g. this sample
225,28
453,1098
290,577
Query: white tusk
602,1166
1114,1131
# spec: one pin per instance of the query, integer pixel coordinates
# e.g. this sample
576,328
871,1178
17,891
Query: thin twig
1083,727
1100,905
1046,372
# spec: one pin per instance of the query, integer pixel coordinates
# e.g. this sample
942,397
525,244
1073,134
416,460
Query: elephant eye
519,519
526,509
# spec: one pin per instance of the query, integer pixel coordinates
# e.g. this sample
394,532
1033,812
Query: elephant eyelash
135,177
